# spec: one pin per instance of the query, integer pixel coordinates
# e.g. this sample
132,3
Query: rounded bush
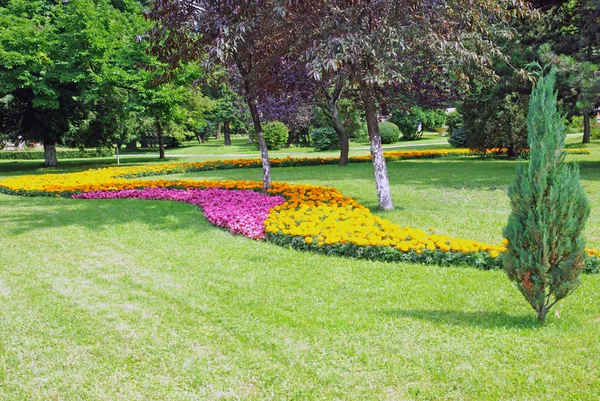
275,133
453,121
389,132
325,139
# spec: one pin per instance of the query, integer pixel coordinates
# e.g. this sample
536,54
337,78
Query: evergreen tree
549,209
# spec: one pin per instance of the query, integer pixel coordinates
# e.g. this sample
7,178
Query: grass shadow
19,216
484,319
13,168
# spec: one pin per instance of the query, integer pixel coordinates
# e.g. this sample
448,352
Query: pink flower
240,211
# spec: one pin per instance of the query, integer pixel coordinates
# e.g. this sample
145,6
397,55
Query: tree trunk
219,124
381,179
587,135
541,313
340,130
199,138
131,146
245,69
50,154
227,133
292,138
262,144
161,139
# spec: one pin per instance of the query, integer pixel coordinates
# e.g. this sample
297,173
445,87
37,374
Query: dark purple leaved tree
246,35
375,44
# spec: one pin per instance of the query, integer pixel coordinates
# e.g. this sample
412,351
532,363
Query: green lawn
129,299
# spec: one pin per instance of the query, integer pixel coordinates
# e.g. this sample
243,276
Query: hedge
60,155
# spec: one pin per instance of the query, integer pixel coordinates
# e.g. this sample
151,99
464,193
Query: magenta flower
240,211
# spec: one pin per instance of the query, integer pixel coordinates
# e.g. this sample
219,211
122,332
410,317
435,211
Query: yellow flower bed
313,217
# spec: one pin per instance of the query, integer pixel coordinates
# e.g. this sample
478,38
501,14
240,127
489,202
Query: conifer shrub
545,250
458,138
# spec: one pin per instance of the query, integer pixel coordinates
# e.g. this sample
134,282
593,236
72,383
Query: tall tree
373,42
235,33
546,250
571,41
52,55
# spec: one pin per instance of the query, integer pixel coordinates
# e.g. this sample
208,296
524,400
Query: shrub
546,250
389,132
275,133
491,121
432,118
457,138
325,139
408,125
595,129
361,132
453,120
575,125
60,155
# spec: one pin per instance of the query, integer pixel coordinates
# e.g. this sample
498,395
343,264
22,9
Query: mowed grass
241,147
128,299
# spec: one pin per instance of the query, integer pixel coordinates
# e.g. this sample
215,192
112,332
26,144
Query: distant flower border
304,217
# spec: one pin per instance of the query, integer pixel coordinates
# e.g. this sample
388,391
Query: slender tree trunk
50,154
227,133
292,138
245,68
219,125
340,130
199,138
381,179
541,313
161,138
131,146
587,135
262,144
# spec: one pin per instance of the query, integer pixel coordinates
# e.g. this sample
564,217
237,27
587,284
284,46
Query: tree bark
340,131
219,125
333,112
541,313
262,144
161,139
251,100
381,179
227,133
587,135
131,146
50,154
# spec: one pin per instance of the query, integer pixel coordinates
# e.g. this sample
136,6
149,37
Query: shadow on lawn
20,215
12,168
488,320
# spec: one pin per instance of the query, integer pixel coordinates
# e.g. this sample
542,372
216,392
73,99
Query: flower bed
304,217
117,178
240,211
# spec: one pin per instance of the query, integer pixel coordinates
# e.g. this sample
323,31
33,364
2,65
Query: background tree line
92,73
